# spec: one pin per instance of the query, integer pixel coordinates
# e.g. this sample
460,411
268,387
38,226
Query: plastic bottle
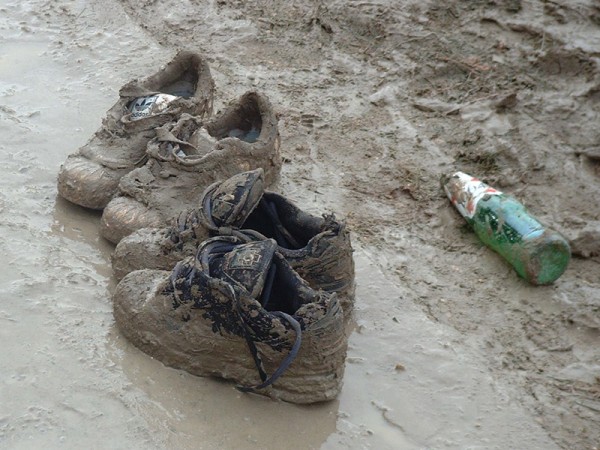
537,253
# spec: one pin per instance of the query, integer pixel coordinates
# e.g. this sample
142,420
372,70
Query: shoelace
170,145
187,220
205,255
191,219
283,237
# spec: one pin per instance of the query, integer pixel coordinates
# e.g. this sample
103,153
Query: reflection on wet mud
191,407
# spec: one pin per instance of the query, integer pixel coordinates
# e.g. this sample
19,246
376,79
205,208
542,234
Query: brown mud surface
377,100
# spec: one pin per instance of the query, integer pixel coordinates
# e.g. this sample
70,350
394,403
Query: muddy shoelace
283,237
189,220
205,254
281,234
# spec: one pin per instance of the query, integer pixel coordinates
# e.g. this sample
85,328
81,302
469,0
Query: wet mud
376,101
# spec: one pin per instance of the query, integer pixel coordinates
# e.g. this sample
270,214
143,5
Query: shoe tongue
249,264
202,141
235,198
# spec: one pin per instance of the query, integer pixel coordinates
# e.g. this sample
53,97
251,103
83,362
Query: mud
376,101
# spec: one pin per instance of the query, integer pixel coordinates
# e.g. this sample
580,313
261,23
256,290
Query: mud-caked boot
318,248
188,155
90,176
240,312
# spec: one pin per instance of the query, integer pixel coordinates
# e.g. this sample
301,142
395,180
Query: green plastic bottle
537,253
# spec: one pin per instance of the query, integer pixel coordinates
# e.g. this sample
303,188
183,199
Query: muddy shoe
187,156
240,312
318,248
90,176
162,248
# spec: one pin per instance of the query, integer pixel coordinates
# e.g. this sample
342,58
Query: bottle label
465,191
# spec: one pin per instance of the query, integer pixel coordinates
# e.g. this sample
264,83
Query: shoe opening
184,86
243,122
284,290
180,77
276,218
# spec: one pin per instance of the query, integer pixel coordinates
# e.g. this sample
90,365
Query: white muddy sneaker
188,155
90,176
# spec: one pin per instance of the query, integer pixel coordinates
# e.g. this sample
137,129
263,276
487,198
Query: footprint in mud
308,120
560,61
312,121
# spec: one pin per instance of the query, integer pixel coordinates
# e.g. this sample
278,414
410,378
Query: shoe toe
124,215
136,310
142,249
87,183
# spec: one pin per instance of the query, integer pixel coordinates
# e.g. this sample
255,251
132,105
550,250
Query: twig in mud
566,6
470,65
457,107
412,37
468,93
593,408
384,410
279,23
493,20
315,19
360,4
82,11
543,41
561,348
